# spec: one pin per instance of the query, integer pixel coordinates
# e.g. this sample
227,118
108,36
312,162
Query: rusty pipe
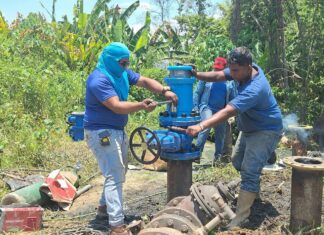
306,193
179,178
226,213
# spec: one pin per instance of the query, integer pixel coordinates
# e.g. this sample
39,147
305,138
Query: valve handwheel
139,145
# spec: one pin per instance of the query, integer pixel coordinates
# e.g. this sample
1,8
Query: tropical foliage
44,64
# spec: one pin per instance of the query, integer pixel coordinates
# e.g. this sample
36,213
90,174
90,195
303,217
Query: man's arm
156,87
125,107
213,76
217,118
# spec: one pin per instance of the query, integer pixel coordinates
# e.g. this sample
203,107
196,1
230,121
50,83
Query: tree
285,38
276,42
235,22
163,9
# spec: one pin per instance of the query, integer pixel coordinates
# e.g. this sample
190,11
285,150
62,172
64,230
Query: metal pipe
210,225
176,128
306,193
30,194
163,102
306,200
226,213
179,178
82,190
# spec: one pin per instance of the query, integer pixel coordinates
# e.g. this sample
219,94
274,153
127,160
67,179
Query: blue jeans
250,155
112,162
219,133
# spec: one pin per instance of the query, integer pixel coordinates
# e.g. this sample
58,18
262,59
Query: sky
9,8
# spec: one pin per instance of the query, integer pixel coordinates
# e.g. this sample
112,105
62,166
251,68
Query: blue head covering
109,65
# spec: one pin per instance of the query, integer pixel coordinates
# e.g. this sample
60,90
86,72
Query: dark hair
240,56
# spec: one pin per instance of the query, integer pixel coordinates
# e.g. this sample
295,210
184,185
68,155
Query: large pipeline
196,214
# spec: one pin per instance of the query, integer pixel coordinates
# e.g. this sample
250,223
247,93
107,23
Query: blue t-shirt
256,105
98,89
217,97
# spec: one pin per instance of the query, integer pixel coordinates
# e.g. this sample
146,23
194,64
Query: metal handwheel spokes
142,148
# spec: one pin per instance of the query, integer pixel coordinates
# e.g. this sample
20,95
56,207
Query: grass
215,174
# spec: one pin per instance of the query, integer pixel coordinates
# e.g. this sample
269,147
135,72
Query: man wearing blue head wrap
106,115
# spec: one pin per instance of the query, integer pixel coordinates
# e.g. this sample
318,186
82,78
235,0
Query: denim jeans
112,162
250,155
219,133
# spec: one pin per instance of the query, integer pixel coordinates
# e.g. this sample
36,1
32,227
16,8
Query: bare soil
145,194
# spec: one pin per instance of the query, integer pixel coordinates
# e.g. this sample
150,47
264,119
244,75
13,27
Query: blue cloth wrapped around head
109,65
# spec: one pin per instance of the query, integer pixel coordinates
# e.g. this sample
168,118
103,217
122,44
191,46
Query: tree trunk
235,24
282,45
276,42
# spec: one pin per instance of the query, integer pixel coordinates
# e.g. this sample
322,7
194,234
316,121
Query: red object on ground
20,219
59,188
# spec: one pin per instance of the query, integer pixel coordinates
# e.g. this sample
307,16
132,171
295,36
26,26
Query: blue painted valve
172,144
76,130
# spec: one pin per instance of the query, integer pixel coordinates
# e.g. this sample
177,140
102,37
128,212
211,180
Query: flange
304,163
181,212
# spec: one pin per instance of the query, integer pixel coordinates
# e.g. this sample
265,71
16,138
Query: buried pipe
179,178
306,193
196,214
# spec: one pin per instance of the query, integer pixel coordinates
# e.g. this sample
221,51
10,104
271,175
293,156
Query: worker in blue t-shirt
258,119
106,115
208,99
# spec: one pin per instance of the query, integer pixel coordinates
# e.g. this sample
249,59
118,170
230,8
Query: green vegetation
44,65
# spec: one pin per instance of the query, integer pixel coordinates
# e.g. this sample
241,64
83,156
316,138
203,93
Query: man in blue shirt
259,121
106,115
209,98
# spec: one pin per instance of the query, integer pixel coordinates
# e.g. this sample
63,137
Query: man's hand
193,130
148,105
171,96
194,71
231,120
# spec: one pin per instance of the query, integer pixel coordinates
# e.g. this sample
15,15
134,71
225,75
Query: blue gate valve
148,145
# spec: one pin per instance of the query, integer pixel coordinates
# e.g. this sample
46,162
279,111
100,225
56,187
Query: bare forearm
122,107
151,85
125,107
212,76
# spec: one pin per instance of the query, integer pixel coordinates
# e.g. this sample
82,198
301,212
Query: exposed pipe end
12,198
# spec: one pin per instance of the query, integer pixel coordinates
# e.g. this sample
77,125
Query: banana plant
3,25
168,43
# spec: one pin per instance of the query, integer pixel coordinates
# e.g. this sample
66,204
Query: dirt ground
145,194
